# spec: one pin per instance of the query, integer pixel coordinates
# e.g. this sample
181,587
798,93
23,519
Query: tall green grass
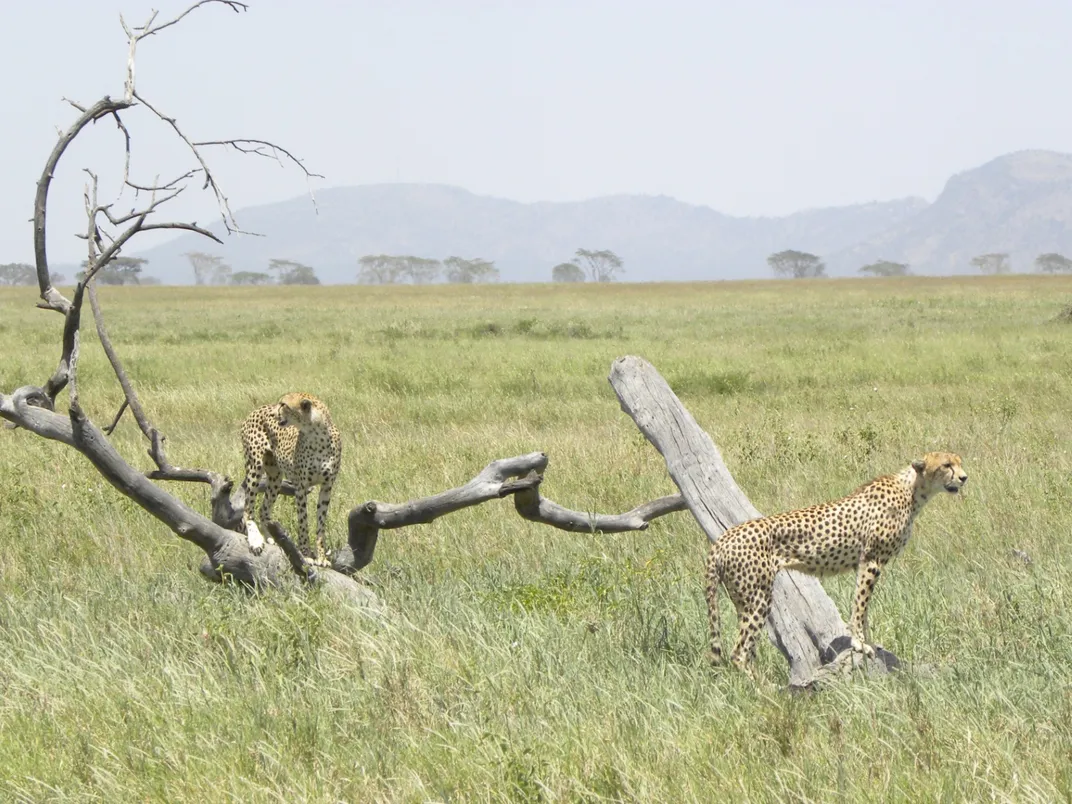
520,662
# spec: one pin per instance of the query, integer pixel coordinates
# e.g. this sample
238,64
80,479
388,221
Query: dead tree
227,556
804,623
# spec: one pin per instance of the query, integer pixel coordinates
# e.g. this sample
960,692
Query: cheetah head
298,410
940,471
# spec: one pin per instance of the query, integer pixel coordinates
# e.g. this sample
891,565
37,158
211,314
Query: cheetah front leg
273,483
322,504
254,538
866,578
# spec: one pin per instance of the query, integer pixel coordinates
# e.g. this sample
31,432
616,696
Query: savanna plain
518,662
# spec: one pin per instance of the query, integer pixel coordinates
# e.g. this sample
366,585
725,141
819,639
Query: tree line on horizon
392,269
794,264
386,269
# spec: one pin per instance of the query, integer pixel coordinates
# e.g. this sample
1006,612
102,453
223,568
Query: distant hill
656,236
1020,203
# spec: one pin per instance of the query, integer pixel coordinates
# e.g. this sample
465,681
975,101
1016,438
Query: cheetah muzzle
861,532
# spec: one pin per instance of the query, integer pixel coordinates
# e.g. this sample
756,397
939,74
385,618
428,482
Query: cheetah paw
863,647
254,538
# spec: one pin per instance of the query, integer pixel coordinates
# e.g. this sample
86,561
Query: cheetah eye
948,465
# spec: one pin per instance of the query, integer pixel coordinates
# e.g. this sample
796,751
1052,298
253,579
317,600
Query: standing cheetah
296,439
862,531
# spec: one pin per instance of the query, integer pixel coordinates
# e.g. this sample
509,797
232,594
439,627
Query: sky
752,108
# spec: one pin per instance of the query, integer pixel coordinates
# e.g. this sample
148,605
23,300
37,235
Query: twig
258,150
115,422
239,143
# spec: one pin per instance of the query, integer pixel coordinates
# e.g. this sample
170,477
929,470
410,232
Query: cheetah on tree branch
295,439
862,531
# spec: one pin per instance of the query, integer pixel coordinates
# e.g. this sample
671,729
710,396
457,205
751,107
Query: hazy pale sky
752,108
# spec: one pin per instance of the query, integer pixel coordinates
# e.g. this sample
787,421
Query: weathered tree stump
804,623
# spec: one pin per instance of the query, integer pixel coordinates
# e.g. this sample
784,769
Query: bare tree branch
152,188
189,227
130,396
148,29
210,182
258,149
115,422
533,507
520,477
126,149
303,570
52,299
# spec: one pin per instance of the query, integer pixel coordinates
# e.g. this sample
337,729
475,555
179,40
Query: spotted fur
861,532
295,439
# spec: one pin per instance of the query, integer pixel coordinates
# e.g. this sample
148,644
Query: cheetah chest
307,458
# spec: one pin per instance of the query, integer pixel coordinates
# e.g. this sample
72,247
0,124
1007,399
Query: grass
523,663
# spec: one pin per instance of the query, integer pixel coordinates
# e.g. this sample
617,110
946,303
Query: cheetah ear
919,466
306,405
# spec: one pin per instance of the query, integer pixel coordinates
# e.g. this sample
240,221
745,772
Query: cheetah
294,438
861,532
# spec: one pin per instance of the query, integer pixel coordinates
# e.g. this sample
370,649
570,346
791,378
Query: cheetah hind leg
714,621
752,616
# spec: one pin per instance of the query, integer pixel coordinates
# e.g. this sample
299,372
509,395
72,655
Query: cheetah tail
714,580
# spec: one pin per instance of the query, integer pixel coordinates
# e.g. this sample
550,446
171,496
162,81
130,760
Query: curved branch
520,477
531,506
52,299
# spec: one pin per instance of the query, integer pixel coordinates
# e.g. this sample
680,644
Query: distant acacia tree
886,268
796,264
392,269
250,278
601,266
289,272
464,271
18,273
379,269
997,263
118,271
1053,263
567,272
421,270
209,269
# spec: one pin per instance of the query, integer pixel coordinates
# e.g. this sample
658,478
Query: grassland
521,662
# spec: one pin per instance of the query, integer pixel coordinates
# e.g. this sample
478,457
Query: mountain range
1020,203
